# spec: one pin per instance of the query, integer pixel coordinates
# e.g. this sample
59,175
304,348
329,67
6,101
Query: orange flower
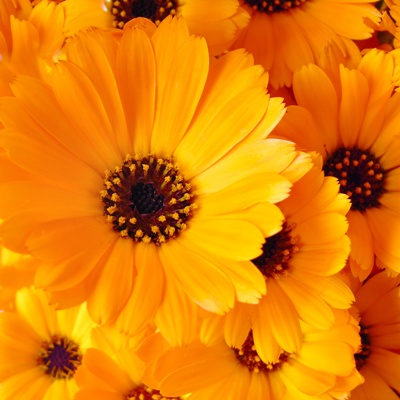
285,35
152,172
350,116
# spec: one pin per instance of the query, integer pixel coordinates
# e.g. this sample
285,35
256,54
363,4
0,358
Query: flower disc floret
273,6
143,392
155,10
60,357
277,252
247,355
360,176
147,199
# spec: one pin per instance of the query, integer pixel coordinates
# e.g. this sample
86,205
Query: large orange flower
285,35
141,170
351,117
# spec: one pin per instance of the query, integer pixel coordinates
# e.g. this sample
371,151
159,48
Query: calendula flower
218,21
206,368
350,117
41,348
299,264
152,172
113,370
377,307
285,35
30,39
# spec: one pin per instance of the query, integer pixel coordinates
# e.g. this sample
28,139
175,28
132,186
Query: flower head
208,367
152,172
377,307
219,22
299,264
285,35
41,348
351,119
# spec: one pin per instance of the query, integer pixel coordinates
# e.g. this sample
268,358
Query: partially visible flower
377,307
285,35
206,368
41,348
218,21
299,265
351,117
30,39
113,370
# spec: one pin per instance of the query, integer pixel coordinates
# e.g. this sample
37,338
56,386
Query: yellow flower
351,118
378,360
299,264
141,170
218,21
208,367
41,348
284,35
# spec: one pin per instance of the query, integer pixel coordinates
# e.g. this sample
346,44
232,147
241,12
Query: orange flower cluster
199,200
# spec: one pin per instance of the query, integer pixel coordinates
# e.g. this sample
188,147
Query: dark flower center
365,351
277,251
155,10
143,392
360,176
61,357
147,199
273,6
247,355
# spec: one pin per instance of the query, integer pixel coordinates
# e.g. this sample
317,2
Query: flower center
273,6
143,392
147,199
61,357
360,176
277,251
155,10
362,356
247,355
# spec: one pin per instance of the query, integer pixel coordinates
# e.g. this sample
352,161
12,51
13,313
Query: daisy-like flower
154,171
351,118
112,370
299,264
377,307
29,39
206,368
218,21
285,35
41,348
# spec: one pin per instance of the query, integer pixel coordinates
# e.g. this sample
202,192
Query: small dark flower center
365,351
360,176
273,6
143,392
277,251
61,357
247,356
147,199
155,10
